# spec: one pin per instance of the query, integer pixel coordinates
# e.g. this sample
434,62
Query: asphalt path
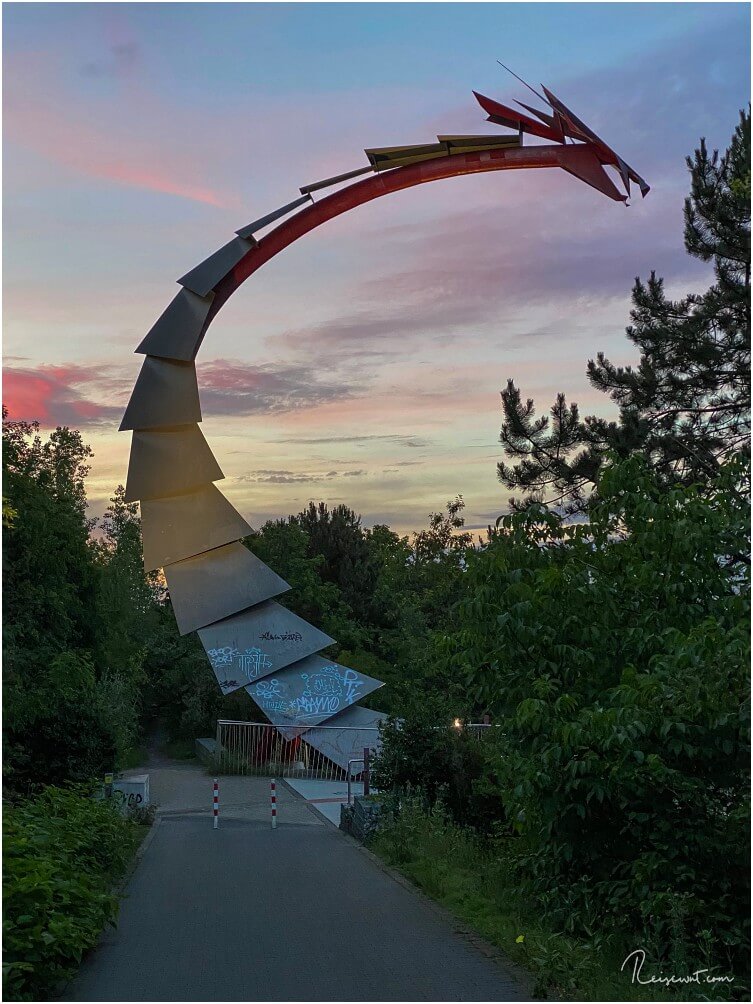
299,913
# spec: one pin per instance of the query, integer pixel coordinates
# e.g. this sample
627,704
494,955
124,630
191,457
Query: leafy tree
686,406
126,601
62,852
615,657
338,538
47,568
49,631
286,547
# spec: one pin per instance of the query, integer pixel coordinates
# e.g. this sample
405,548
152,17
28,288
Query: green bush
616,655
475,876
67,742
422,750
62,854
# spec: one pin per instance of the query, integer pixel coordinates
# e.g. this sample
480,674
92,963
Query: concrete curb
140,852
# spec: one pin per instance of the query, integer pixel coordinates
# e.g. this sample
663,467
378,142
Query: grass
470,877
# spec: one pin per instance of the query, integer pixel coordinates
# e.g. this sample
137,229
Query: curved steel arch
217,586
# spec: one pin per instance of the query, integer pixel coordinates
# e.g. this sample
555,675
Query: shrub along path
247,913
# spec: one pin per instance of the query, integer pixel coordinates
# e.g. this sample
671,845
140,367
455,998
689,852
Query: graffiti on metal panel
326,692
250,663
285,636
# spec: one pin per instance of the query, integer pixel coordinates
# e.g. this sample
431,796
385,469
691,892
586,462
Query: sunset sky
363,364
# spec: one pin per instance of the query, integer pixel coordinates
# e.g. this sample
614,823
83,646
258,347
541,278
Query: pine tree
686,405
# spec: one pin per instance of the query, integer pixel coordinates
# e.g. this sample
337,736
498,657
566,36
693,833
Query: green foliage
423,750
380,595
615,655
475,877
74,612
285,546
62,854
47,571
686,405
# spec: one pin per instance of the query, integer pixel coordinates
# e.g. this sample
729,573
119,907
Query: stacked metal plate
190,530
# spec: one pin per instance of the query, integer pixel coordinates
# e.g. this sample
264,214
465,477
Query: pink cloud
52,395
65,135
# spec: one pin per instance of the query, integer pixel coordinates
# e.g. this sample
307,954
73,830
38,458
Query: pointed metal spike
217,584
624,174
257,642
169,461
318,185
345,736
533,91
185,525
309,692
512,119
248,231
546,119
165,394
583,163
202,279
178,332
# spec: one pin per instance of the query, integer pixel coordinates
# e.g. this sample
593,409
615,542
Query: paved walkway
245,913
327,797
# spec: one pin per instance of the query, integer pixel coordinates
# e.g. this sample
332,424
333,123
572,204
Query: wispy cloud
67,134
63,394
273,477
58,395
231,387
414,442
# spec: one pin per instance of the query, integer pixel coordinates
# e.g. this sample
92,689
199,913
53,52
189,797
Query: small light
456,723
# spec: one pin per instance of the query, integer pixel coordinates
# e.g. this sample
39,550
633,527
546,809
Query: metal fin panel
344,737
178,332
257,642
318,185
309,692
185,525
385,157
169,462
165,394
513,119
202,279
465,143
251,229
580,130
218,583
583,163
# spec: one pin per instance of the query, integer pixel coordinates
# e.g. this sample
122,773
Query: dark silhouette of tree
686,405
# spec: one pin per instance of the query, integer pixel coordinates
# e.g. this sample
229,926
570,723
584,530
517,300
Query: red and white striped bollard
216,803
273,795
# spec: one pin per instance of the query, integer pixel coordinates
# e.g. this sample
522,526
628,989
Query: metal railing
349,775
260,748
477,729
256,748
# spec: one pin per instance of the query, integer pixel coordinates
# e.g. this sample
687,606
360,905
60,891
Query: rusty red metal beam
581,161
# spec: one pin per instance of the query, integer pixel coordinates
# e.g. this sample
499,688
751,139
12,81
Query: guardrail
260,748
